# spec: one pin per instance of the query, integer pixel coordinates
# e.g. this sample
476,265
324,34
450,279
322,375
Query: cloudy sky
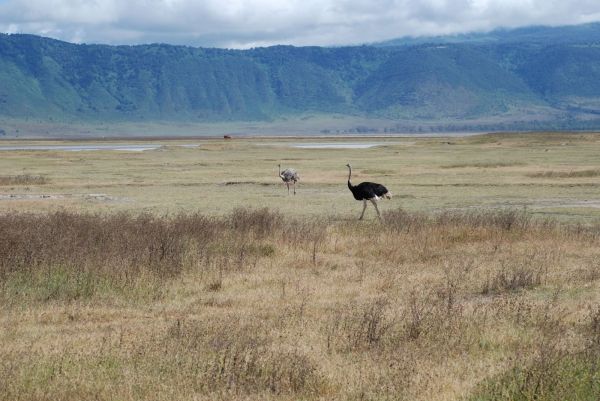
250,23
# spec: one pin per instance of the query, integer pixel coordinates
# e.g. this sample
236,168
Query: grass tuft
566,174
486,164
23,179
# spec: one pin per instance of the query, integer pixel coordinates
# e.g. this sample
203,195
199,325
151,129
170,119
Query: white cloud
246,23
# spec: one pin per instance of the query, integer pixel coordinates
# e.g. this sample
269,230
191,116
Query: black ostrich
367,191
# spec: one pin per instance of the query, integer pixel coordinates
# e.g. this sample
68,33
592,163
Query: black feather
367,190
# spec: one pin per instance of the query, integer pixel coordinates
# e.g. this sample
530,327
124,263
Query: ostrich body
289,176
367,191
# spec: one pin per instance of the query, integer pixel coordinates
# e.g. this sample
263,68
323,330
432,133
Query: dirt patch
591,203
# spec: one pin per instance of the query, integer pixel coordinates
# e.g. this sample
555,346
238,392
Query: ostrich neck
349,176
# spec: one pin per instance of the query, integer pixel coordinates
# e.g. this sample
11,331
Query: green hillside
442,81
507,84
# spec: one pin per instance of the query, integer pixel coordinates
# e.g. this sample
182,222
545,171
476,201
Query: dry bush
399,220
433,317
588,234
23,179
354,327
120,250
240,356
120,243
515,274
505,219
123,242
68,256
416,237
591,332
417,316
261,222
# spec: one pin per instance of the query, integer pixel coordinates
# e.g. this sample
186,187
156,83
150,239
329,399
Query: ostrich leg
376,208
294,187
364,208
288,186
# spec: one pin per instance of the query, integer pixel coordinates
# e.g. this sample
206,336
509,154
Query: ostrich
289,175
367,191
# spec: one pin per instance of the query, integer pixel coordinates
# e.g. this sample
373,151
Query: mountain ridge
530,34
470,84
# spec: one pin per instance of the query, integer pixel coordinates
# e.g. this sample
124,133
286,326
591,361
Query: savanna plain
189,273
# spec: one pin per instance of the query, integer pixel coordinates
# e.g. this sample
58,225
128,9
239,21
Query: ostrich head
349,170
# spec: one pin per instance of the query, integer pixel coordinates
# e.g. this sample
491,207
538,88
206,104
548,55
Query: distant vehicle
226,136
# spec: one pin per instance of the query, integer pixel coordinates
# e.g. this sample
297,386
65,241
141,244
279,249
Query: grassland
189,273
535,171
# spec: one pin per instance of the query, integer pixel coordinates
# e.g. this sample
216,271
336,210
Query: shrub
23,179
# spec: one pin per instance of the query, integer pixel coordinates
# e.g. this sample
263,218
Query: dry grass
189,274
484,164
23,179
69,256
424,174
255,305
566,174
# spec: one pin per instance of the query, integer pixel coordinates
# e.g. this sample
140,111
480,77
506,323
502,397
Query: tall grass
553,374
70,255
256,305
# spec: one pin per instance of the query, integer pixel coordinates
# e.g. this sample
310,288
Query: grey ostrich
289,175
367,191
